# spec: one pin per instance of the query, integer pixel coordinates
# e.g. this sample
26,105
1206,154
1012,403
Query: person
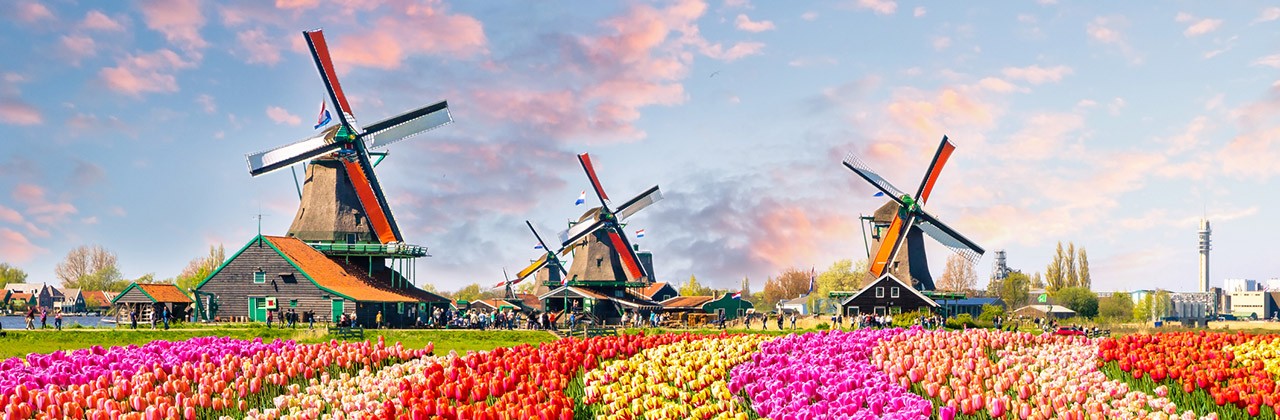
311,320
377,321
270,317
164,316
133,319
44,318
764,321
57,320
154,314
793,321
31,317
779,322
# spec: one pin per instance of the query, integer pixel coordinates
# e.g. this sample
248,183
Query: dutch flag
640,233
538,246
738,295
813,279
324,117
582,198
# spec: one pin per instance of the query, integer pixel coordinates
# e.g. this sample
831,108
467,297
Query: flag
737,295
538,246
1043,298
813,280
582,198
324,117
878,194
640,233
500,284
564,281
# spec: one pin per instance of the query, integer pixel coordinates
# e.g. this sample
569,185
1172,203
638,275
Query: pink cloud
38,207
411,29
1044,136
16,112
881,7
281,116
98,21
259,48
297,4
30,12
1268,14
1037,75
79,46
179,20
744,23
1196,25
16,247
207,103
737,51
10,215
1103,30
145,73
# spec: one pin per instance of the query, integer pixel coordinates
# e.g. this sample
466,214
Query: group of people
291,318
44,318
635,319
159,313
780,319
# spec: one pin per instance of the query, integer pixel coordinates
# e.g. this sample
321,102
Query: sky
1115,126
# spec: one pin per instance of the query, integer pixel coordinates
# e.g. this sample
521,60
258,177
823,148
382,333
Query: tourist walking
270,316
44,318
133,319
154,314
793,321
779,322
377,321
31,317
57,320
164,316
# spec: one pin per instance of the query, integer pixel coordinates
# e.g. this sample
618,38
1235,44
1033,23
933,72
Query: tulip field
890,373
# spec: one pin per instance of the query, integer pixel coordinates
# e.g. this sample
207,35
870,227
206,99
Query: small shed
886,296
724,305
146,300
798,305
1044,311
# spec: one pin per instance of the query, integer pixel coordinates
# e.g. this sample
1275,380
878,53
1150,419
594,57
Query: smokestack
1204,255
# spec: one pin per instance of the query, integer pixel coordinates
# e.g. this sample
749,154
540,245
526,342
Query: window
879,292
293,303
260,277
854,311
893,293
351,238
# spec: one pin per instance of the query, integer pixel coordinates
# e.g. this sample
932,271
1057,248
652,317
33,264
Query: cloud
1044,136
145,73
809,16
409,30
31,12
297,4
78,47
9,215
179,20
737,51
17,112
39,208
812,61
1269,61
744,23
281,116
1196,25
1037,75
207,103
1268,14
919,11
1107,30
16,247
87,174
941,43
996,85
98,21
259,48
881,7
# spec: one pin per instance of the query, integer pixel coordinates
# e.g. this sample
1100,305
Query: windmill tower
605,263
1204,254
903,221
343,211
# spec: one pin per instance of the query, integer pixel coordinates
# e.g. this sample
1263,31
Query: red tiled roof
530,300
652,289
164,293
23,296
333,276
102,297
686,301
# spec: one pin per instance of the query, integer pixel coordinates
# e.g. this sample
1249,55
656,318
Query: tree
959,276
1085,280
1072,278
1015,288
1117,307
469,293
1142,310
200,268
842,275
107,278
11,274
693,288
1055,273
1037,281
1078,299
791,284
84,261
150,278
523,287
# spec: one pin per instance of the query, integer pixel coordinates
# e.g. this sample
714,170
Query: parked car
1069,331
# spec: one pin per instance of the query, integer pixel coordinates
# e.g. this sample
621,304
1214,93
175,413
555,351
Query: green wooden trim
304,272
229,260
134,286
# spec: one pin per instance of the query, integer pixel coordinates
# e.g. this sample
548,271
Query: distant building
1139,295
658,291
1204,255
72,301
725,305
886,296
1044,311
972,306
1251,304
44,295
1240,285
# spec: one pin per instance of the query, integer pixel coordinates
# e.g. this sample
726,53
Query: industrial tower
1204,255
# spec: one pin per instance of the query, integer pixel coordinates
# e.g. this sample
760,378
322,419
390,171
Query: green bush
989,314
823,326
906,320
964,321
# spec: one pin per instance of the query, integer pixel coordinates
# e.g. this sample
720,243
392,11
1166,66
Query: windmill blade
406,125
360,172
630,261
859,167
585,160
268,161
320,53
550,253
935,168
532,268
638,203
949,237
573,234
888,247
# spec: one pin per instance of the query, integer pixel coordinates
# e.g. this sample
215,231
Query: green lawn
20,343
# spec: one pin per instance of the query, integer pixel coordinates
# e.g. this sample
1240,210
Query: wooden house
272,273
724,305
886,296
98,300
597,301
147,301
658,291
44,295
72,301
1044,311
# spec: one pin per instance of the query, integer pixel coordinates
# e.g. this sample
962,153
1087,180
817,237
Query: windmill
908,219
342,199
608,242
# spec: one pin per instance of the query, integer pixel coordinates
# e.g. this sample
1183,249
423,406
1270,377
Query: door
337,310
258,309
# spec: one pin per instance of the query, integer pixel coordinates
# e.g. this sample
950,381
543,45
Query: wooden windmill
344,212
601,251
902,220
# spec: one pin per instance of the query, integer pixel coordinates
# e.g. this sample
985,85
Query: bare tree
84,261
200,268
1083,260
959,276
1055,273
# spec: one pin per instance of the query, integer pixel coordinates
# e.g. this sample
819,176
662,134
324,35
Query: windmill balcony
394,250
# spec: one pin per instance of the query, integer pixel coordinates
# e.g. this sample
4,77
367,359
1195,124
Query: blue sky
1115,126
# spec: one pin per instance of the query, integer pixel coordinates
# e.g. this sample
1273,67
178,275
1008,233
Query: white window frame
894,293
259,277
879,292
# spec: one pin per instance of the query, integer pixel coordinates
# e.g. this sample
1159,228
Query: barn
285,274
146,300
886,296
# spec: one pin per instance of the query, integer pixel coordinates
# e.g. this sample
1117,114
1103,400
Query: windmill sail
949,237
